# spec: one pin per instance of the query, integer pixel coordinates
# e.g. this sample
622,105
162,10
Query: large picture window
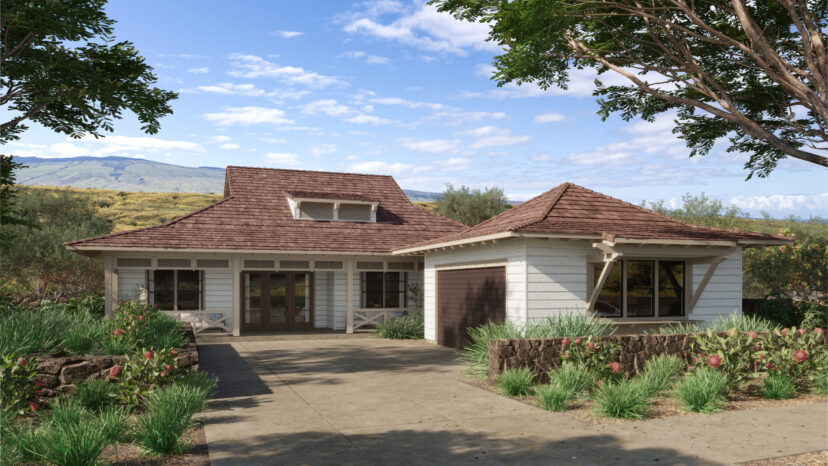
176,290
383,290
641,289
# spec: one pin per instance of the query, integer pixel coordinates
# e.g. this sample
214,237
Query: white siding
337,319
130,282
511,252
556,277
218,290
723,294
320,295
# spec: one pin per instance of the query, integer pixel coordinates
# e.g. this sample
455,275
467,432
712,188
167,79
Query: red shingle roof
572,209
255,215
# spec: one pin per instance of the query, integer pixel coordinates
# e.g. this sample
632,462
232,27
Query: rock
77,372
47,380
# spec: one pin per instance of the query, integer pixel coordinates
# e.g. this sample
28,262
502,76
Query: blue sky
396,88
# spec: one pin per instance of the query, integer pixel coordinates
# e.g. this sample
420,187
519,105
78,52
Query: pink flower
114,371
120,303
140,317
22,362
757,347
768,366
776,368
578,341
714,360
566,355
599,382
761,357
564,342
33,406
163,373
753,335
818,331
616,367
590,345
802,331
168,368
800,355
785,331
117,332
149,355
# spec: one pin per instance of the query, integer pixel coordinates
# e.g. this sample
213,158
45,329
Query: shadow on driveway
235,377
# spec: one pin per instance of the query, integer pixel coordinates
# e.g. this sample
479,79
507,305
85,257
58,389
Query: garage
467,298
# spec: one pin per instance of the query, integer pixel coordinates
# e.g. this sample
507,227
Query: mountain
135,175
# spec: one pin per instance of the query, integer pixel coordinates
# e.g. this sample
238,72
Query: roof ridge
307,171
134,230
552,203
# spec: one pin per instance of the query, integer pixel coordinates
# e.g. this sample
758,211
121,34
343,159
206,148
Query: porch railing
205,320
373,316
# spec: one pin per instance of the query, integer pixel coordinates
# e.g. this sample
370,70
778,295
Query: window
641,288
316,211
383,290
176,290
355,212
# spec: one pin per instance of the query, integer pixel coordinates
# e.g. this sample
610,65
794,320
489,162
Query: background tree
9,214
755,72
471,206
60,67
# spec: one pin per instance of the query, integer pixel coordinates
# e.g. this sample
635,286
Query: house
293,249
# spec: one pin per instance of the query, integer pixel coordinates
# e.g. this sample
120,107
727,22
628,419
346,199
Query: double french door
277,300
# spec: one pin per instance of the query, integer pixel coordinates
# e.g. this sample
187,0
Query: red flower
149,355
168,368
117,332
714,360
776,368
172,352
599,382
140,317
37,384
566,355
768,366
616,367
590,345
761,357
120,303
731,332
753,335
22,362
802,331
818,331
578,341
163,373
32,406
785,331
114,371
564,342
800,355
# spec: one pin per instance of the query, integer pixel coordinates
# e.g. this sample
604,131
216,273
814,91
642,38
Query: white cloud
581,84
252,66
368,120
782,202
274,140
406,103
427,29
233,89
125,144
366,57
352,157
385,168
456,164
288,34
219,138
493,136
67,149
200,70
186,56
323,149
248,116
329,107
433,146
456,117
551,117
229,146
281,158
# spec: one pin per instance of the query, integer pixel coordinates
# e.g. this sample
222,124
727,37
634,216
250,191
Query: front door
277,300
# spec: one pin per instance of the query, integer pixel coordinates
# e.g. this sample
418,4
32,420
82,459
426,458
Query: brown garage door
467,298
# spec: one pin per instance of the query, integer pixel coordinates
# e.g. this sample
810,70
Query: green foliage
402,328
820,382
164,332
733,354
660,373
471,206
553,397
142,373
741,323
570,325
679,327
786,312
598,355
64,70
573,378
83,340
115,346
545,41
515,382
778,387
799,354
200,380
9,214
96,394
169,413
702,391
17,384
625,399
476,351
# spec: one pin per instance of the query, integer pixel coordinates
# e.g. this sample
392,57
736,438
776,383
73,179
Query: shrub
741,323
733,354
142,373
625,399
570,325
515,382
660,373
17,384
115,346
131,322
476,351
679,327
820,383
597,355
164,332
96,394
553,397
702,391
573,378
403,328
778,387
32,331
86,336
169,413
797,353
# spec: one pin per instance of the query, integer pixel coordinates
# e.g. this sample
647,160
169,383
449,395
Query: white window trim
656,317
295,204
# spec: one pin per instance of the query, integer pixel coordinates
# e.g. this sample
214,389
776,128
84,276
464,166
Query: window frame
404,292
150,280
686,282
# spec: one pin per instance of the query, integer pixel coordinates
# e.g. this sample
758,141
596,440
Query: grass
570,325
742,323
778,387
164,332
702,391
625,399
553,397
660,373
169,414
680,327
572,378
199,380
407,327
820,383
95,394
515,382
476,351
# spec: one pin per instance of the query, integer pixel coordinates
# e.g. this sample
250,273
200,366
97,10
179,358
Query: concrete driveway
371,401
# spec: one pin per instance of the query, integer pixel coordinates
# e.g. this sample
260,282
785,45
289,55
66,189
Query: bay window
383,290
176,290
641,289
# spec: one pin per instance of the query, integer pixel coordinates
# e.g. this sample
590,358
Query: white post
110,286
349,295
237,284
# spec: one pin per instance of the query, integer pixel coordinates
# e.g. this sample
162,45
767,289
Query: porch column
349,295
110,286
237,284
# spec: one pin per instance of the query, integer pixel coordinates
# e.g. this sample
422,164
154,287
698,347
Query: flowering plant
131,321
17,384
596,354
734,354
798,353
142,372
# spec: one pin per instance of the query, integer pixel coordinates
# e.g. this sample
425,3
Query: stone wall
60,374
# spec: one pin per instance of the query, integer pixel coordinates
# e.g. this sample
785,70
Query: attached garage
467,298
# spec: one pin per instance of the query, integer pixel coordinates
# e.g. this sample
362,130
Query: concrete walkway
368,401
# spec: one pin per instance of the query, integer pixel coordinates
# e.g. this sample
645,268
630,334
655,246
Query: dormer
332,207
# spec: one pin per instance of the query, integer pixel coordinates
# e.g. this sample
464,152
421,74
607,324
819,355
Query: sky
397,88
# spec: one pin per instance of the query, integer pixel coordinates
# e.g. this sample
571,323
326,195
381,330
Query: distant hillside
135,175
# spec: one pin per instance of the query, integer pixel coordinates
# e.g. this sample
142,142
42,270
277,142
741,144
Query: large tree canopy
471,206
60,67
755,72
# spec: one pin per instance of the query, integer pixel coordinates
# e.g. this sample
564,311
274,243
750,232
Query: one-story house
294,249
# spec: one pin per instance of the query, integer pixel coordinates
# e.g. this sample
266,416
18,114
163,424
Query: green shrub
142,373
820,383
741,323
515,382
96,394
660,373
570,325
553,397
679,327
702,391
17,385
169,413
114,423
573,378
402,328
815,314
131,321
86,336
32,331
164,332
115,346
734,354
778,387
797,353
476,351
624,399
598,355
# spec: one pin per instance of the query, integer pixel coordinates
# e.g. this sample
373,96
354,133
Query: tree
471,206
754,72
704,211
59,67
9,215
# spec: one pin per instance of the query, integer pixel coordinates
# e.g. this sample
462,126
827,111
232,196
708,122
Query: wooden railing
205,320
374,316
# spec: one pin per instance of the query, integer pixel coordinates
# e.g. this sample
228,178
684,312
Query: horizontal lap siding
320,299
723,294
339,300
218,290
130,283
556,277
